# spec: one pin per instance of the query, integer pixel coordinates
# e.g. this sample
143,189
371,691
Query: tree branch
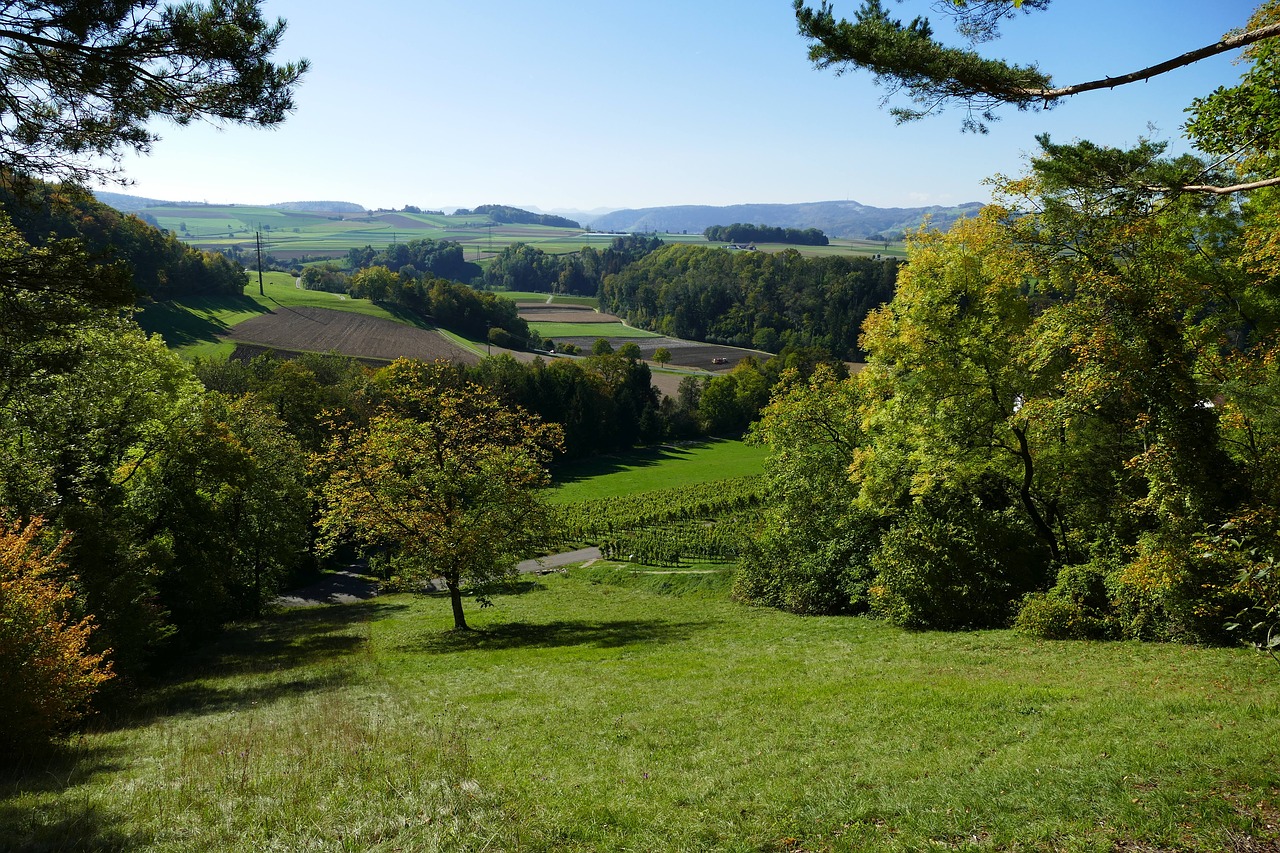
1230,43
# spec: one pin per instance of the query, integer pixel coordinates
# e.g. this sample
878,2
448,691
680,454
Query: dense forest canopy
515,216
418,258
1068,415
752,299
524,267
740,233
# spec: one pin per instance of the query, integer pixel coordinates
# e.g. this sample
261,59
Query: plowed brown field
323,330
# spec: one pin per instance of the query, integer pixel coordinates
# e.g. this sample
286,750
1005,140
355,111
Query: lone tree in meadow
445,477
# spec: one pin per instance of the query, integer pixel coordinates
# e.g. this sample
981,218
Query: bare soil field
322,330
714,357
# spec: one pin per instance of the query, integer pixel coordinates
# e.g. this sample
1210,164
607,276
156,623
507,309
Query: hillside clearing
588,715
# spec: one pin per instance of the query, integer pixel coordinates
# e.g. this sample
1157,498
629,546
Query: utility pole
257,238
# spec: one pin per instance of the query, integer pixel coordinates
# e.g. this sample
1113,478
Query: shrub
1174,591
784,567
949,563
500,337
46,668
1077,608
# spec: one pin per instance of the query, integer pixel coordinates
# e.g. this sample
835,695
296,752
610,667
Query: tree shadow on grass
578,632
66,823
299,637
645,457
262,661
181,325
54,821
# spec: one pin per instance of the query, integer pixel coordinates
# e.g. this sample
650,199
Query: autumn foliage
48,672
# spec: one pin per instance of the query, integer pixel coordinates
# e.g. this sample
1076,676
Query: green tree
602,347
811,550
84,81
445,478
376,283
630,350
662,355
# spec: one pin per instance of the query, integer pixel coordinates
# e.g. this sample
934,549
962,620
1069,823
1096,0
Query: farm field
563,314
525,298
306,329
593,712
687,354
651,468
291,234
199,325
589,330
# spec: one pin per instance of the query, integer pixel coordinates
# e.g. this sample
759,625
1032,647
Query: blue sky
576,104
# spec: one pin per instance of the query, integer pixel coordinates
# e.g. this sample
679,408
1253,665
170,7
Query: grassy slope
591,716
652,468
191,326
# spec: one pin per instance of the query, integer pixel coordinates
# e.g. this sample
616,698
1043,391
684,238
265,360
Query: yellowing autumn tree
444,477
46,667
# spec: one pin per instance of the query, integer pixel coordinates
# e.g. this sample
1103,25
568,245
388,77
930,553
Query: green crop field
548,298
652,468
291,234
556,331
611,709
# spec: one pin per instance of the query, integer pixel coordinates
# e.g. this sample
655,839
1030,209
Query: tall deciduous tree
83,80
445,477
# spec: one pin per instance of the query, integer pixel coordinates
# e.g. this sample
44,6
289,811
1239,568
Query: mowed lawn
648,469
587,715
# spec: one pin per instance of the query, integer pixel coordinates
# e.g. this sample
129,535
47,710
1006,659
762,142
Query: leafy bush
949,563
502,338
1077,608
808,577
1176,591
46,668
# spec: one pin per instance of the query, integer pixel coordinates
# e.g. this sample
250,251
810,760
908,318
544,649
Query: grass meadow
652,468
600,710
556,331
548,298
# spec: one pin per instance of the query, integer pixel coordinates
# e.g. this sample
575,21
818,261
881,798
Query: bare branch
1231,43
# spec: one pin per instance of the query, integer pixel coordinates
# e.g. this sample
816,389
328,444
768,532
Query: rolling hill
834,218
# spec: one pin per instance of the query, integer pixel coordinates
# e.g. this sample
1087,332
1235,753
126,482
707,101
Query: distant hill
834,218
126,203
319,206
515,216
133,203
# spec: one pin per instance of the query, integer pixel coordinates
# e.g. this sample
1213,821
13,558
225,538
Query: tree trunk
455,598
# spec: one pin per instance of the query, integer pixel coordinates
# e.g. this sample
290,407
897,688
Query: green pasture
555,299
557,331
616,709
192,326
291,233
651,468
